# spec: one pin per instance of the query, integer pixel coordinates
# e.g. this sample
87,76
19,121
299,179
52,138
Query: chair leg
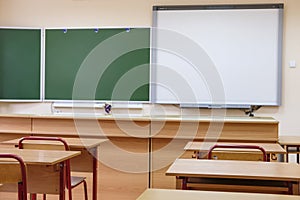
85,190
70,193
20,192
33,196
44,197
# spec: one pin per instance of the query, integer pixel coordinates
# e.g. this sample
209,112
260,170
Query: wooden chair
250,155
56,144
14,171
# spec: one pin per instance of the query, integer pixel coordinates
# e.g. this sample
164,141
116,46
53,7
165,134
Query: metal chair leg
85,190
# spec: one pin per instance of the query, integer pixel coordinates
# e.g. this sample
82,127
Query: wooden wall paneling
15,124
90,127
259,132
163,153
61,126
227,131
123,168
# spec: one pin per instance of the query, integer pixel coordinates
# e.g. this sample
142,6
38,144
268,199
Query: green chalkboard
97,64
20,59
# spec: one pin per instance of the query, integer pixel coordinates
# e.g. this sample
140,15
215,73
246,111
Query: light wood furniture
163,194
238,170
71,181
85,162
159,139
45,169
263,129
13,170
200,149
289,142
221,128
169,137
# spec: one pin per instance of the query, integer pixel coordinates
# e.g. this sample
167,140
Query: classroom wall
85,13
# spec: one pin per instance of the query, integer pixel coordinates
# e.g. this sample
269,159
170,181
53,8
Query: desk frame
290,142
221,169
288,151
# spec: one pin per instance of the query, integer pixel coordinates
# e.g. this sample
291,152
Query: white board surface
217,56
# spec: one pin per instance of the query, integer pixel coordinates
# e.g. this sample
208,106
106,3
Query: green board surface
102,64
20,60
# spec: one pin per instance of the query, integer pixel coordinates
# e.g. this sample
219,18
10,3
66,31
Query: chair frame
22,186
238,146
68,165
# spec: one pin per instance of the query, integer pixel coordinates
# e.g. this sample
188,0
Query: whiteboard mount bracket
250,111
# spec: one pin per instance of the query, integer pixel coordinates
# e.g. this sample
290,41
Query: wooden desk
200,149
86,162
290,142
45,169
231,169
159,194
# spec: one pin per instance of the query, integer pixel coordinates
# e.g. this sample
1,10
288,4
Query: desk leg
268,157
95,172
287,153
62,181
297,154
184,183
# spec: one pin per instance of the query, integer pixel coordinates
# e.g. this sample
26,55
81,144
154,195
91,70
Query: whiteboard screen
217,55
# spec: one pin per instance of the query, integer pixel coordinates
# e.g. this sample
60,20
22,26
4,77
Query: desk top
78,143
201,146
235,169
289,140
161,194
41,157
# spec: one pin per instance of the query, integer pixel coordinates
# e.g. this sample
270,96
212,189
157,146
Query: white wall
85,13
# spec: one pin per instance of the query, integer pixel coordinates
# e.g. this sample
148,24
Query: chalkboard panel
97,64
20,64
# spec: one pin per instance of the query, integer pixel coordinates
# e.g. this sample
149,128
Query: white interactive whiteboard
228,55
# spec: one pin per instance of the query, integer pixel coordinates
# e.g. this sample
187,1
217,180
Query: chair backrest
13,170
43,143
233,147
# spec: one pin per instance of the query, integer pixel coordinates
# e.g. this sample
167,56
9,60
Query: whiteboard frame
278,6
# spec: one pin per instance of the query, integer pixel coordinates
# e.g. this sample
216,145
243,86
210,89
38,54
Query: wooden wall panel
220,131
124,168
163,153
90,127
15,124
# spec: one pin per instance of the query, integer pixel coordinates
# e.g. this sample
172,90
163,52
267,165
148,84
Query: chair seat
76,180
